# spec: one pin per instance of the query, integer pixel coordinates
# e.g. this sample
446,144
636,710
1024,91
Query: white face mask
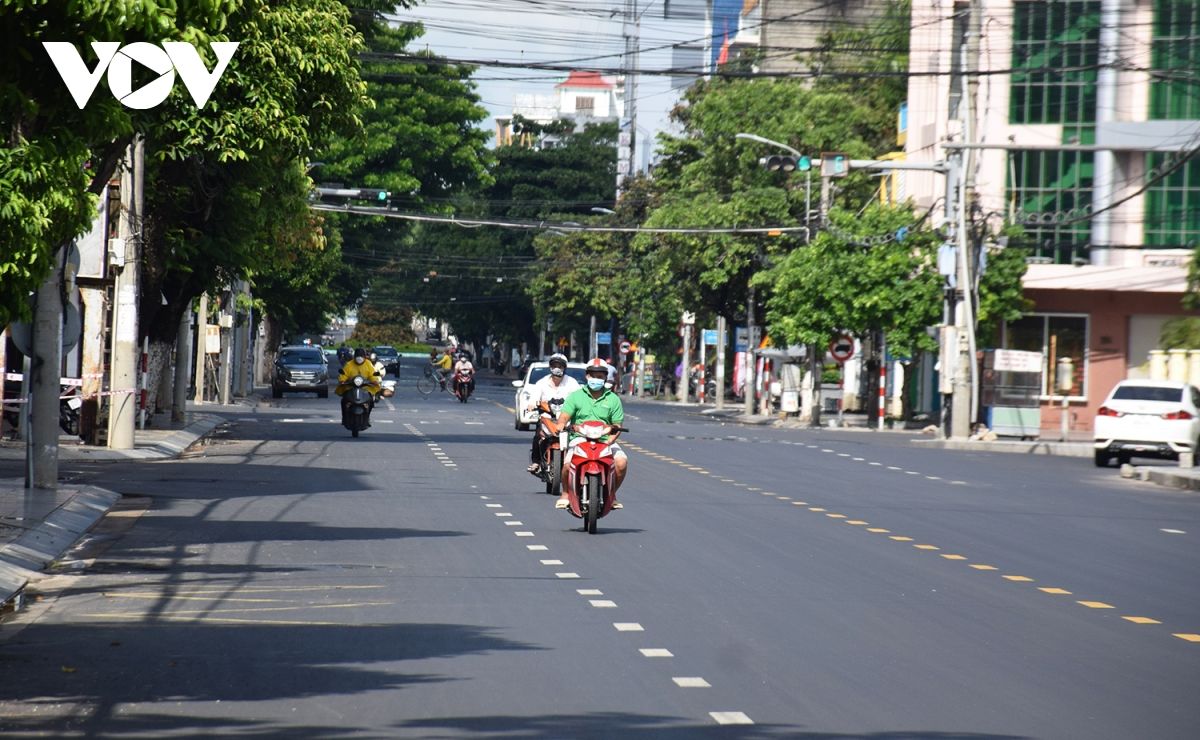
359,360
556,372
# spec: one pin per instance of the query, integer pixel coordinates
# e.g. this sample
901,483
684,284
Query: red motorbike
591,472
462,385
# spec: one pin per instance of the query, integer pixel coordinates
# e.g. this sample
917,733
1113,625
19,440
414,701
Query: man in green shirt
594,402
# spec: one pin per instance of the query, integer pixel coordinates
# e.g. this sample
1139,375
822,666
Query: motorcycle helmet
596,374
558,365
359,355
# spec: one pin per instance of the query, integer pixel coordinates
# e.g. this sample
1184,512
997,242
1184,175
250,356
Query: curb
1170,479
25,557
1060,449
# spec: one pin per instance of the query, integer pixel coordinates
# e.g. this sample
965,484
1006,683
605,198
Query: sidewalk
1187,479
37,525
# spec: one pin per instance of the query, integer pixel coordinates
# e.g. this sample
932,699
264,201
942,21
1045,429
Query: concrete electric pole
126,259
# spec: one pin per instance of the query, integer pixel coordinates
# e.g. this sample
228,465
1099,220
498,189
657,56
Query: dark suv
390,359
300,369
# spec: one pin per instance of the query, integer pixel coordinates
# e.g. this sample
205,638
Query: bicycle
430,381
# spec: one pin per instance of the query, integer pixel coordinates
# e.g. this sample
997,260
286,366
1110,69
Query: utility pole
685,358
748,383
226,324
182,356
45,367
127,257
720,362
963,402
627,131
1104,167
201,347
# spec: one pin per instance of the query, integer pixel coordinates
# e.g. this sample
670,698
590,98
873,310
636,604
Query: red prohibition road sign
842,348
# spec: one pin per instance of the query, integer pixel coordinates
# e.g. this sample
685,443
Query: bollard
1187,459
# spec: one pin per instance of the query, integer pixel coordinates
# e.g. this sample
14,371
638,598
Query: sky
558,31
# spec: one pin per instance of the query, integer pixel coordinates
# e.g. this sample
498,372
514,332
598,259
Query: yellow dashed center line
1186,636
1095,604
955,557
1021,579
898,538
1142,620
878,530
978,566
927,547
1057,591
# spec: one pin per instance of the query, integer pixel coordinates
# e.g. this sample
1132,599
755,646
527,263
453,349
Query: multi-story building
1089,114
585,97
779,32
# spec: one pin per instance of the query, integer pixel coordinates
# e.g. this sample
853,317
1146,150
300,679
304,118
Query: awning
1166,279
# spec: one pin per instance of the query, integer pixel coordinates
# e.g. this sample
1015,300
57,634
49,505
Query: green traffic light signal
804,163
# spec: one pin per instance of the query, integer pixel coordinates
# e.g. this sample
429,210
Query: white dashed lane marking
731,718
691,682
603,604
628,627
589,592
656,653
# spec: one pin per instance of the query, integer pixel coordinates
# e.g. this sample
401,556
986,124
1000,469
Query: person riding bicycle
554,387
442,366
594,402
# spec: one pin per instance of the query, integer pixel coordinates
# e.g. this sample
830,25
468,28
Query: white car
525,419
1147,418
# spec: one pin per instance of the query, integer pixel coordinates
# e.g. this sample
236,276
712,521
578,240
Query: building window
585,105
1173,204
1175,56
1056,336
1051,192
1056,47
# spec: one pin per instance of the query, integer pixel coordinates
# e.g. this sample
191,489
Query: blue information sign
603,337
710,336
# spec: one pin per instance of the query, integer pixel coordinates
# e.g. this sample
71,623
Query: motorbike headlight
358,381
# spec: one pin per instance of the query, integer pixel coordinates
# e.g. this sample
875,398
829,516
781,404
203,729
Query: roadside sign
842,348
604,337
688,318
625,347
710,337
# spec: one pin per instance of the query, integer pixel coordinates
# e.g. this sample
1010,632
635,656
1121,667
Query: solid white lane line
731,718
656,653
628,627
691,682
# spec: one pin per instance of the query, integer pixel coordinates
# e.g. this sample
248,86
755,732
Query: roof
1165,279
583,78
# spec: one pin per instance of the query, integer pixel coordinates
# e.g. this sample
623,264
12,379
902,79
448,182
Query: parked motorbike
591,473
462,385
710,386
69,404
358,401
552,449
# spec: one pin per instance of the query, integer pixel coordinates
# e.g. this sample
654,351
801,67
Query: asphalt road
286,580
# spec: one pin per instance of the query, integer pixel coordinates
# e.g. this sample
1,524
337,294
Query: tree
420,142
56,157
858,277
475,279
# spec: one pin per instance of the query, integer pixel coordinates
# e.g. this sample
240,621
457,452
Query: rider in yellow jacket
359,366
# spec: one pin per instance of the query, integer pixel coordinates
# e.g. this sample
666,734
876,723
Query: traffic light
379,196
785,163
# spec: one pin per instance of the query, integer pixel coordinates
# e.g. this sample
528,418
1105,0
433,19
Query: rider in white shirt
464,365
553,387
